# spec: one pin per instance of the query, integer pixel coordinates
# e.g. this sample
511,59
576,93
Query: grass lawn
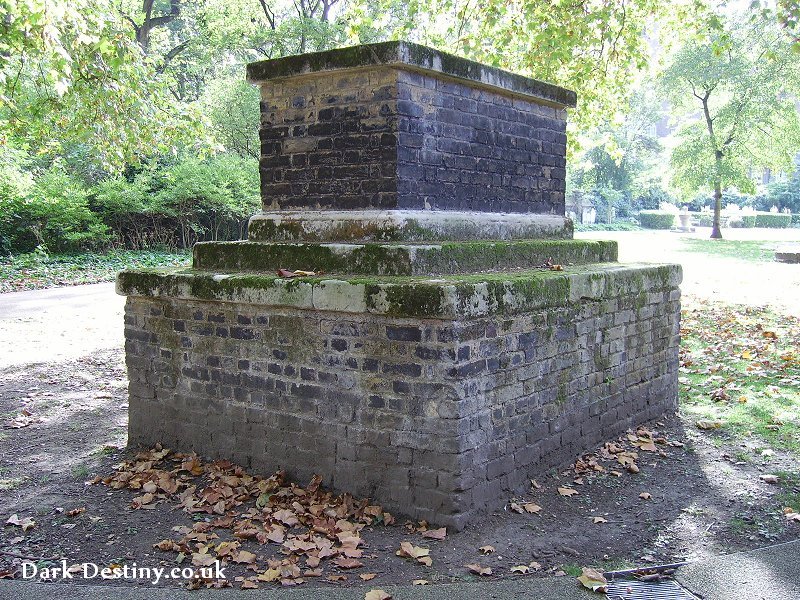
740,375
38,270
756,251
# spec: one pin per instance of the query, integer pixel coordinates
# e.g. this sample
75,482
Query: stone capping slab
399,259
413,57
403,225
451,297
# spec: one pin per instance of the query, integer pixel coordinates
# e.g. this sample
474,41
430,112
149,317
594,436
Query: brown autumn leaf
593,580
26,523
244,557
377,595
435,534
565,491
76,511
409,550
516,508
486,550
531,508
347,563
249,584
337,578
368,576
479,570
419,582
598,520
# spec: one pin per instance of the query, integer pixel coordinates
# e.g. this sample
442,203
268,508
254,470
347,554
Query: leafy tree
740,80
70,73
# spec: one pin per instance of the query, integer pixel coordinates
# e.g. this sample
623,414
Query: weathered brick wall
461,147
438,419
384,137
329,140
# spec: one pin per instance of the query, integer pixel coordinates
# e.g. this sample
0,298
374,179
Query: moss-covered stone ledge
447,297
386,259
401,54
413,226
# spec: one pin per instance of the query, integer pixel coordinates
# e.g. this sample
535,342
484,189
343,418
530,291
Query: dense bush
742,221
52,212
165,206
180,204
796,219
773,220
655,219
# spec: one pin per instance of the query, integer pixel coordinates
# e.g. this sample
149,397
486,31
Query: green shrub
53,213
210,199
796,219
654,219
742,221
15,184
773,220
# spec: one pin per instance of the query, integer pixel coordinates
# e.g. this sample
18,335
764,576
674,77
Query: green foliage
655,219
52,213
773,220
71,74
181,203
783,194
742,222
741,78
232,106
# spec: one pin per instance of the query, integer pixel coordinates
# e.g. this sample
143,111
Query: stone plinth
437,361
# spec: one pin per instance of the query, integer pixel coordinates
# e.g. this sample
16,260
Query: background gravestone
436,361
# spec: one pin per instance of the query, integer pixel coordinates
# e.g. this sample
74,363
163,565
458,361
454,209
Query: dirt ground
699,499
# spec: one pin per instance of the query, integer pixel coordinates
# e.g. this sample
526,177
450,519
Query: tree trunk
716,228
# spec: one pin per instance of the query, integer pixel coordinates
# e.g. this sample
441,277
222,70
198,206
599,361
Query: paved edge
772,572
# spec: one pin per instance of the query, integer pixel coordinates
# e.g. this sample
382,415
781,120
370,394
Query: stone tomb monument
436,362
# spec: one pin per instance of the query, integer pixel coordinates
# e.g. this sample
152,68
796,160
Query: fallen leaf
565,491
645,496
486,549
368,576
768,478
516,508
26,523
478,569
377,595
708,424
535,566
593,580
348,563
420,582
337,577
76,511
523,569
435,534
270,575
531,508
598,520
249,584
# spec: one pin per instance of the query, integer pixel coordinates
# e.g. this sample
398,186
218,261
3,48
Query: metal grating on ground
631,589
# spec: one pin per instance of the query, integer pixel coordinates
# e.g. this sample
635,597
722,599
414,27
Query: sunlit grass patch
755,251
740,373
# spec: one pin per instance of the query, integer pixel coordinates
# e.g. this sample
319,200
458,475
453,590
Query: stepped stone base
438,397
